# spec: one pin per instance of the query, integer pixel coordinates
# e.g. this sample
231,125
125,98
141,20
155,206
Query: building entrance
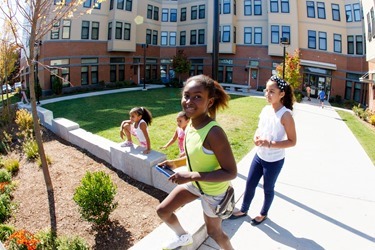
317,79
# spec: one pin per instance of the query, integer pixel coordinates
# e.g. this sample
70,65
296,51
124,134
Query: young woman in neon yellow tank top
211,160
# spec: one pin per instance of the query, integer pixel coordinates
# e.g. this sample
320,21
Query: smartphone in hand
165,170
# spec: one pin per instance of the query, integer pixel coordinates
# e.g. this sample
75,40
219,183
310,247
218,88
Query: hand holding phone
167,171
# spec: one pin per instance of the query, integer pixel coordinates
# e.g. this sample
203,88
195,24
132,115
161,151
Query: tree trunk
38,135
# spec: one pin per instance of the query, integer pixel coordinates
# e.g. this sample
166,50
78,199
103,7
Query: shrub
95,197
5,176
57,86
372,120
39,161
30,147
22,239
12,165
5,206
71,243
5,232
24,120
48,240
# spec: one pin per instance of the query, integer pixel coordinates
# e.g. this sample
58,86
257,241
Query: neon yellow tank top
201,161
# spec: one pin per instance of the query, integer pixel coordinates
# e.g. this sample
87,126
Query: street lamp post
144,46
284,41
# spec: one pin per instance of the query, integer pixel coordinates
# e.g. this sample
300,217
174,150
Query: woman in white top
276,131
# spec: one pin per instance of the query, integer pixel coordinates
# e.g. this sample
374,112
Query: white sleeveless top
137,132
270,127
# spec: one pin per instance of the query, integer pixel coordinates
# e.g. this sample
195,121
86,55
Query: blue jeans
270,171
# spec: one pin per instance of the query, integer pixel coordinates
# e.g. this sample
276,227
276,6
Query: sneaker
127,144
179,241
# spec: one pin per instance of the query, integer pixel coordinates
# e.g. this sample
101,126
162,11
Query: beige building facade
107,45
369,22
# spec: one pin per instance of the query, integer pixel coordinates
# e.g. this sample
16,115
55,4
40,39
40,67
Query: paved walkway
325,194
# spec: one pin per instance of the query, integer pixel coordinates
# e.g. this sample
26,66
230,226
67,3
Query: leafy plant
95,197
5,176
39,162
30,147
5,206
71,243
24,120
57,86
22,239
12,165
372,120
6,231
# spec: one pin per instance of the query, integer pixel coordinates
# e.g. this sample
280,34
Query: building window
110,31
220,74
257,7
193,37
87,4
274,6
337,43
95,31
97,5
112,73
66,29
183,14
247,35
127,29
247,8
194,13
321,10
155,37
311,39
229,74
310,9
164,38
121,72
359,45
55,31
257,35
226,6
202,11
164,15
173,15
94,75
226,34
285,32
156,13
275,34
85,30
336,12
351,45
357,12
120,4
129,5
172,38
284,6
148,36
111,5
322,40
201,36
84,75
149,11
348,90
118,32
348,13
183,38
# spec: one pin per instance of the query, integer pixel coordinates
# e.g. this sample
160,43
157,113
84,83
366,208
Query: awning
318,64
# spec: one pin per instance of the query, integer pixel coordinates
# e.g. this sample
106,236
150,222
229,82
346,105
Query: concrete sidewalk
325,194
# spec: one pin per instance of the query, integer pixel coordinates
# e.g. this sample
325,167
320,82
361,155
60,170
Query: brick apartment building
107,44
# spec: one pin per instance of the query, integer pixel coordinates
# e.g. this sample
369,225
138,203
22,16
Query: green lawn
102,115
365,133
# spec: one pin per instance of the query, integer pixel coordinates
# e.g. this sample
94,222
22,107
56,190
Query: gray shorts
209,202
